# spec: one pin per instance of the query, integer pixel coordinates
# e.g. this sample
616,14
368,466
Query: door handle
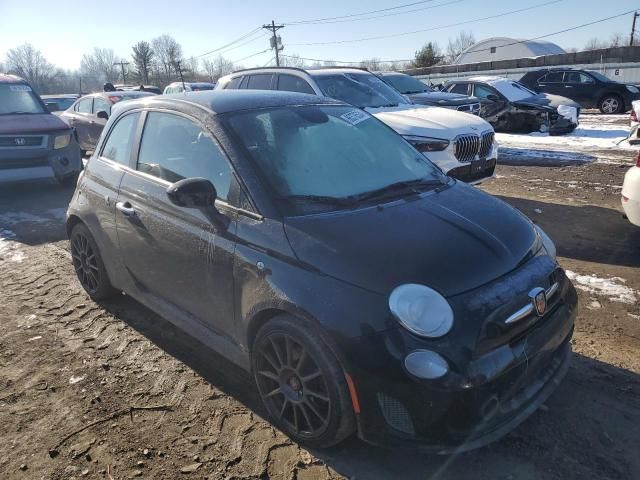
126,209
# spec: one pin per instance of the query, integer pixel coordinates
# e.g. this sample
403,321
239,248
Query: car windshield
18,98
58,104
363,90
514,91
407,84
327,152
599,76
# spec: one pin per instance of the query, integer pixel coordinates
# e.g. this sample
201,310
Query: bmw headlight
548,244
427,144
633,89
421,310
62,141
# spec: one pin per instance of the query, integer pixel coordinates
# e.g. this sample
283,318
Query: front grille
486,144
395,413
470,146
467,147
24,163
19,141
475,171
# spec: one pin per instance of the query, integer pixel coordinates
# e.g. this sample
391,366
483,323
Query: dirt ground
113,391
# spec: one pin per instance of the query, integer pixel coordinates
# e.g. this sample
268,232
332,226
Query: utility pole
122,65
633,27
179,67
276,41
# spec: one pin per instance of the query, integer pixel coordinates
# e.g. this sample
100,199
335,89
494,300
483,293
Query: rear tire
301,383
611,104
88,264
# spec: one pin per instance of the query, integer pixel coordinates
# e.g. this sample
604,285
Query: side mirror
192,193
493,98
103,115
198,193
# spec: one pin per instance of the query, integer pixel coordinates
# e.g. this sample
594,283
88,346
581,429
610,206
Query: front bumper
474,172
496,391
23,163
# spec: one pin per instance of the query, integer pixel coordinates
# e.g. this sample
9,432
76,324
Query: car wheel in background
301,383
610,104
88,264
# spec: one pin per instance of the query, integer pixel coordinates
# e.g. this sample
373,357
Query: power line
250,56
380,16
379,37
319,20
239,39
484,49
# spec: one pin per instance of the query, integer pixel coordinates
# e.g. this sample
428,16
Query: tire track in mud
88,363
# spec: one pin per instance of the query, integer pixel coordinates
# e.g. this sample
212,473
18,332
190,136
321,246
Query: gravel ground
113,391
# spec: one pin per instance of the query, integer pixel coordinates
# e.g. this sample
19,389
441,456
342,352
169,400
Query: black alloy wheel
88,264
302,387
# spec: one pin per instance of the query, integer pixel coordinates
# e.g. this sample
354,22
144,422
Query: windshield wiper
337,201
412,186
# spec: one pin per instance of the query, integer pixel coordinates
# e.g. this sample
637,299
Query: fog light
426,364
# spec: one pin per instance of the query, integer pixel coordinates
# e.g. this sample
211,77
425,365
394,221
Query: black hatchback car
422,94
307,242
590,89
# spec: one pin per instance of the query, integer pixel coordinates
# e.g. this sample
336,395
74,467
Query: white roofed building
503,48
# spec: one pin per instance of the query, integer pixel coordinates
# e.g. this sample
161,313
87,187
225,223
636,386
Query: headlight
62,141
632,89
427,144
421,310
548,244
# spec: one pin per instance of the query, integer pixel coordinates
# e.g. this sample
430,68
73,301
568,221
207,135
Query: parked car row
303,239
462,145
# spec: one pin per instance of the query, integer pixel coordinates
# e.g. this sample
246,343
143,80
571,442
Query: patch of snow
612,288
37,337
74,380
9,248
537,210
594,305
637,317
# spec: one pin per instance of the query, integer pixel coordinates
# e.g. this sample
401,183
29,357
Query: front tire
88,264
611,104
301,383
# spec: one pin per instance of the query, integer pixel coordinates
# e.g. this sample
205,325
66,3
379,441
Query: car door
493,103
82,116
579,87
96,124
100,185
258,81
177,260
551,83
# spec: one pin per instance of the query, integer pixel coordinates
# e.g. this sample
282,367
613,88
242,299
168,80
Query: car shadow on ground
585,232
34,211
561,436
536,157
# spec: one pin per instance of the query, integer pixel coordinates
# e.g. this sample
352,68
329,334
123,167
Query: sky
63,35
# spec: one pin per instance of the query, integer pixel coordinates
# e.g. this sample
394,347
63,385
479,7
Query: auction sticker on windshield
354,117
20,88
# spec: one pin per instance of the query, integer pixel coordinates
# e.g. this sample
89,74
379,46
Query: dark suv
33,142
590,89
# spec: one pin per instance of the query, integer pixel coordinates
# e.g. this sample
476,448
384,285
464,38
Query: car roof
7,78
391,74
189,83
62,95
121,93
308,70
223,101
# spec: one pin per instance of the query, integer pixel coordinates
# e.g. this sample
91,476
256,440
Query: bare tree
142,59
594,44
371,64
292,60
458,45
192,66
29,63
98,67
168,54
217,67
617,40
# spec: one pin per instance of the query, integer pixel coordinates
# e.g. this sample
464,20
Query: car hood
452,241
429,121
25,124
441,98
548,100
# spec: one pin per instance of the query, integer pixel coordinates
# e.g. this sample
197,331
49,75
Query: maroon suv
33,142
